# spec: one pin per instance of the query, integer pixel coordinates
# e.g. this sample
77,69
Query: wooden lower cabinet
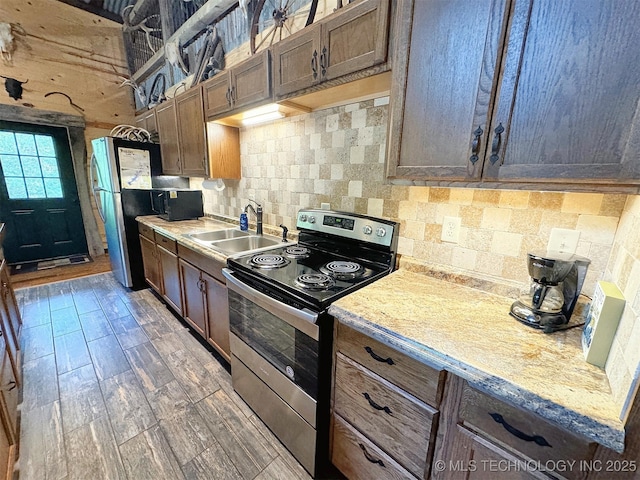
476,458
152,272
360,459
194,302
172,291
217,314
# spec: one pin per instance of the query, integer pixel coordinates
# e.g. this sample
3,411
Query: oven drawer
166,242
358,458
522,432
407,373
400,424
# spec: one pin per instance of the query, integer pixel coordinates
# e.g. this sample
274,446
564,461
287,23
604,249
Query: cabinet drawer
207,264
166,242
519,430
358,458
146,231
398,423
409,374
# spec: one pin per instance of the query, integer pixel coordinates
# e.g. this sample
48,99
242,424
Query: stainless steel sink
232,241
218,235
244,244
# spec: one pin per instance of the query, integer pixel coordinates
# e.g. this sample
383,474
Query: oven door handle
301,319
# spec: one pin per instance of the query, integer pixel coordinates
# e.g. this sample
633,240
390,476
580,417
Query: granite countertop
469,332
179,229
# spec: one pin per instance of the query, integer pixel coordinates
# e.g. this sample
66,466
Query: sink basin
243,244
218,235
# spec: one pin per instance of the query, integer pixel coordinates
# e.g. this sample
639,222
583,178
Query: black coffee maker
556,281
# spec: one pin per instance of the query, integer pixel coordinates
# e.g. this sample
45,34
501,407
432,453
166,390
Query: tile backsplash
337,156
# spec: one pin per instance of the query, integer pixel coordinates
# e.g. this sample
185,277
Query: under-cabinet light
262,114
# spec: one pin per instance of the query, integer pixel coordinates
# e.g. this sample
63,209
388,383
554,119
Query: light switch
563,240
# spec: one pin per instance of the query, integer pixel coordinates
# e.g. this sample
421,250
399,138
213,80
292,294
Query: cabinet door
152,273
442,87
168,134
224,151
147,121
296,61
191,133
217,315
569,94
9,391
193,308
251,81
475,458
217,95
354,39
170,278
9,303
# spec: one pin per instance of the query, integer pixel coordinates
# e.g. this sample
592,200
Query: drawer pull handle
377,357
10,386
517,433
369,457
375,405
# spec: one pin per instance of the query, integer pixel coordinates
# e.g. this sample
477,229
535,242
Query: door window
30,165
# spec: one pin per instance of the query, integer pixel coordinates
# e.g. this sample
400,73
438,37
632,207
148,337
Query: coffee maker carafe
556,281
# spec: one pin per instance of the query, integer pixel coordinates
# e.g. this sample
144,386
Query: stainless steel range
281,333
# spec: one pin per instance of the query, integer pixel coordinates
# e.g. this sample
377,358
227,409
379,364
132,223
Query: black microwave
176,204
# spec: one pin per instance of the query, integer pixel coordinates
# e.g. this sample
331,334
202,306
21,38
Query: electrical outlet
563,240
450,229
325,206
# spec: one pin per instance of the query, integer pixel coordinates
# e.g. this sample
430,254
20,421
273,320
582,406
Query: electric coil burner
281,334
268,260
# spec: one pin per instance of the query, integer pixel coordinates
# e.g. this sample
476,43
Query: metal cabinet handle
9,386
228,96
323,61
378,358
369,457
233,95
497,141
518,433
314,64
475,145
375,405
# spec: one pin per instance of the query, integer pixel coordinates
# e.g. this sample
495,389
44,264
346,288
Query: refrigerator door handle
94,189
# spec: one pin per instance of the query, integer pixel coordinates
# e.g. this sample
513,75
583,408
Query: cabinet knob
495,146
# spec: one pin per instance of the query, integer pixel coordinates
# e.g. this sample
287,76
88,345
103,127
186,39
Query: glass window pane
45,146
31,166
7,143
35,188
26,144
15,188
54,188
49,167
11,165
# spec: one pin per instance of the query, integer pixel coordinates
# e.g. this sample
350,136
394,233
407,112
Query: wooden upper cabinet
168,133
242,86
442,86
191,133
569,94
224,151
549,101
351,40
147,120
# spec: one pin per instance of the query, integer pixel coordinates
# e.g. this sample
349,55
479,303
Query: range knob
312,219
303,218
381,232
367,229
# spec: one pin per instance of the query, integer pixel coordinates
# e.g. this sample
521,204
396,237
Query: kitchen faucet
258,213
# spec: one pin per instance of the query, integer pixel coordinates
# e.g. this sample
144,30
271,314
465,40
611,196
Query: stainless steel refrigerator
122,175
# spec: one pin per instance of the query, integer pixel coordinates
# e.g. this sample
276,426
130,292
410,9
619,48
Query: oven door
285,336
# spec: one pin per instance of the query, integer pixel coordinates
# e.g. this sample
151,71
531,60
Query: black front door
38,194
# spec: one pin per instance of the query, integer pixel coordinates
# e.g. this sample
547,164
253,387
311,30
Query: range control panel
357,227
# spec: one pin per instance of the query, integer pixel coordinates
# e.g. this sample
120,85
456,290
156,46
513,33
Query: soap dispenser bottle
244,222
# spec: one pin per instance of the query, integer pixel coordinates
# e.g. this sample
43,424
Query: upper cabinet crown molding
516,93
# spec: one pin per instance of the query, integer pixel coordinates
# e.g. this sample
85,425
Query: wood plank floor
115,387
